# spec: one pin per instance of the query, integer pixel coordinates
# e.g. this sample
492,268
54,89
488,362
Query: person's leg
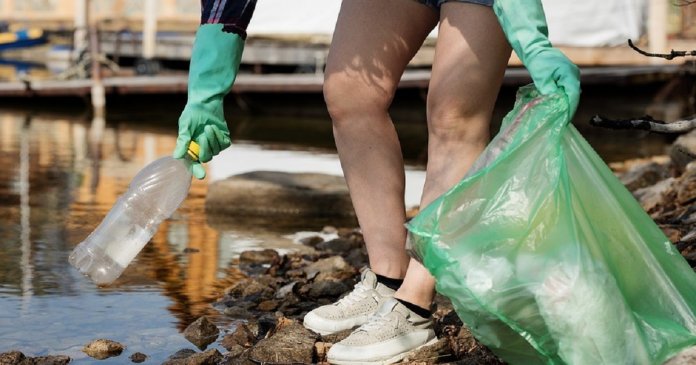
372,44
470,60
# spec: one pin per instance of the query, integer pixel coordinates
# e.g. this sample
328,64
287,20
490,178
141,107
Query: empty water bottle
152,196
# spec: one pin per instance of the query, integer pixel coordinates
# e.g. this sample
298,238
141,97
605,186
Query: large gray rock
280,193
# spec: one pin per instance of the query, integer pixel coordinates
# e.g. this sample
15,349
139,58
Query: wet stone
237,312
290,344
241,336
138,357
102,349
179,355
201,333
11,358
190,357
257,262
50,360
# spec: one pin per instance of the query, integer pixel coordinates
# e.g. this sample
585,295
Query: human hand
208,129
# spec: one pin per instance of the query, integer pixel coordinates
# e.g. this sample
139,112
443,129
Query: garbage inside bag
548,259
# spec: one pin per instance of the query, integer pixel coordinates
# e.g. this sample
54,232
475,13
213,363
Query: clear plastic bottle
153,195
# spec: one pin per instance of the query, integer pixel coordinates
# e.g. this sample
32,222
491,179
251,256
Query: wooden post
98,93
657,29
80,34
149,29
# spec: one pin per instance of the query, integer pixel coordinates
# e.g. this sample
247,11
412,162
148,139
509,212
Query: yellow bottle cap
193,150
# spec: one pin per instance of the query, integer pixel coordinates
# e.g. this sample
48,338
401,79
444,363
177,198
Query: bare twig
668,56
646,123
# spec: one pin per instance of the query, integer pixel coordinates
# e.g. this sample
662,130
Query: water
56,187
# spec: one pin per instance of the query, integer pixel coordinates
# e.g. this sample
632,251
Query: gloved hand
524,24
215,62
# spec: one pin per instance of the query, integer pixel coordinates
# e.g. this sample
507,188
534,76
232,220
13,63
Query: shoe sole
389,361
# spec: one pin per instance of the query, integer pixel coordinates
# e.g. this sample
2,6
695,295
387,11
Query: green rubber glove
215,62
524,24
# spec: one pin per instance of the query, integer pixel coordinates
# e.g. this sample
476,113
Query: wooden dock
301,83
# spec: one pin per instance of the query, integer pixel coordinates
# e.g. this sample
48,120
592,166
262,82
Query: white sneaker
386,338
352,310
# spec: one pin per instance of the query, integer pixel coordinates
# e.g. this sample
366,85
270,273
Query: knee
349,100
456,119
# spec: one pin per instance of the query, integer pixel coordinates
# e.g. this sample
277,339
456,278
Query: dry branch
646,123
668,56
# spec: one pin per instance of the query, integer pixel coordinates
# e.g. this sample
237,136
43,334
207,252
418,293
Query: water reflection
61,178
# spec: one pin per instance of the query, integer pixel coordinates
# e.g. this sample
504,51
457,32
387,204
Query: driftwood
646,123
668,56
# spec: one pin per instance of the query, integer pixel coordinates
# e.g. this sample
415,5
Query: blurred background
64,164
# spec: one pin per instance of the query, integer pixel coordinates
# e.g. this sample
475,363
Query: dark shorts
437,3
233,14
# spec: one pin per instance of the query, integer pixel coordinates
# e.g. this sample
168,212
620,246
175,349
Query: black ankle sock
425,313
390,283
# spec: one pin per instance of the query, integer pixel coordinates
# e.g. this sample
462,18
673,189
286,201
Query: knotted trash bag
548,259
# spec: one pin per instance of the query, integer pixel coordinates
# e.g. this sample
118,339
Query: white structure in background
588,23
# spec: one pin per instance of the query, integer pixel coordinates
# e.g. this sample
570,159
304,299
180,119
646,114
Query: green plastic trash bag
548,259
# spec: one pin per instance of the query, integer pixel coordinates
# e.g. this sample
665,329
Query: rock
436,353
336,337
285,290
11,358
337,245
210,357
259,257
101,349
138,357
190,357
281,193
237,312
265,325
311,241
268,305
201,333
242,336
50,360
650,197
320,349
683,150
646,174
179,355
290,344
685,357
327,289
331,268
251,288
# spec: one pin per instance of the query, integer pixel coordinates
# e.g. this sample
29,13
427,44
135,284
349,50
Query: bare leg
373,42
469,66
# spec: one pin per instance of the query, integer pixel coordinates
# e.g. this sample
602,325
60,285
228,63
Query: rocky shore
268,305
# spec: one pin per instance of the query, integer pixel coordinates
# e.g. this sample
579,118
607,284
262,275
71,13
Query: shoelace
358,294
375,322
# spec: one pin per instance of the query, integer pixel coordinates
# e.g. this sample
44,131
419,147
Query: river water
62,173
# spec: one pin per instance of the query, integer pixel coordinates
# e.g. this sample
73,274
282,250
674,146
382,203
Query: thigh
470,60
372,44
